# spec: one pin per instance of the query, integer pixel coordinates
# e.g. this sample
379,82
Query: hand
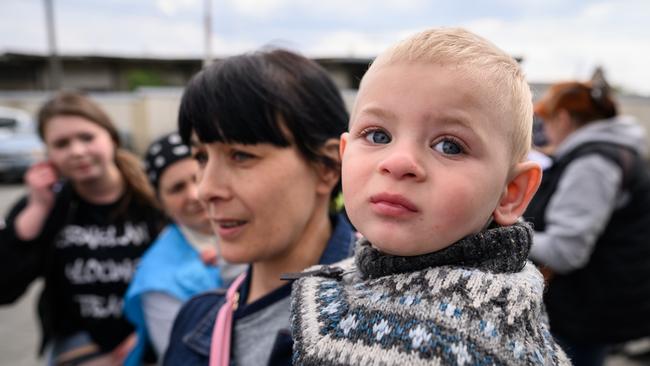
119,353
209,256
40,178
547,273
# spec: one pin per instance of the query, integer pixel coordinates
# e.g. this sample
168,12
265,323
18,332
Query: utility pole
207,24
56,71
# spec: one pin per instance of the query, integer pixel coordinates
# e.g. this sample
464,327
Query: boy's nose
402,165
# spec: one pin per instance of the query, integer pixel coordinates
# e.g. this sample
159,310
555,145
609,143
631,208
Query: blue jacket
171,266
189,343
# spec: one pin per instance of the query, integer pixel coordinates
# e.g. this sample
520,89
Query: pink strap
220,349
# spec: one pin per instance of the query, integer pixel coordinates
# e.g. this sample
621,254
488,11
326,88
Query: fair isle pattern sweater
477,302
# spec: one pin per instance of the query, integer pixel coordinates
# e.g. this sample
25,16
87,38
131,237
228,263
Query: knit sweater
476,302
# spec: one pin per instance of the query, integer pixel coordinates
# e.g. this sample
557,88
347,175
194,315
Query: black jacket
608,300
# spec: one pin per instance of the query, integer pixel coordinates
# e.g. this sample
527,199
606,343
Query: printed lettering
99,307
85,271
103,237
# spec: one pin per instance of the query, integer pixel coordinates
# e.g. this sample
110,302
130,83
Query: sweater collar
501,249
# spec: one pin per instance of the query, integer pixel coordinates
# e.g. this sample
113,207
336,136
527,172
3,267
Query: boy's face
426,160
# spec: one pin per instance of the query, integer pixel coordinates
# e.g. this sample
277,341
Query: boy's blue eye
378,137
448,147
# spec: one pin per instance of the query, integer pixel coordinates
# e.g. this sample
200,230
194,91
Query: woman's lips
228,228
83,166
393,205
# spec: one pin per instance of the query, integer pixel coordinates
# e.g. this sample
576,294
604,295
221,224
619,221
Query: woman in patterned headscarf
183,261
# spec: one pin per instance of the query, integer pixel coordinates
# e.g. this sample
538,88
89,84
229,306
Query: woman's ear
343,144
329,176
518,193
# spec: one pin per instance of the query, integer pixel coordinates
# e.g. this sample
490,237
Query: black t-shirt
87,254
98,255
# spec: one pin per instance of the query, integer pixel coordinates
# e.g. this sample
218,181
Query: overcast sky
558,39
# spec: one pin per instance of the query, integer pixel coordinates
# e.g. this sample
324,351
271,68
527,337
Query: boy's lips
387,204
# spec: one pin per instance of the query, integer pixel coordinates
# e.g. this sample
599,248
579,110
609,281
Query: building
31,72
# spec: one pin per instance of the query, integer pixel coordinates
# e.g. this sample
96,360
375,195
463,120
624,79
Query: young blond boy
435,178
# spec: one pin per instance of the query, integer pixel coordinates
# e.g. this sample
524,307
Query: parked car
20,145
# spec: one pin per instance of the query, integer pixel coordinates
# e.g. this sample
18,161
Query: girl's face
178,194
80,149
261,199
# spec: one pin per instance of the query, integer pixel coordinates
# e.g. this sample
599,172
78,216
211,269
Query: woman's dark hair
272,96
76,104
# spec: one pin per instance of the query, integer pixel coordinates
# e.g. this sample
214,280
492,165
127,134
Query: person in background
592,221
265,131
88,217
184,260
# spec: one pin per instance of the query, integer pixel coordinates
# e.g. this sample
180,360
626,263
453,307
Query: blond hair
466,50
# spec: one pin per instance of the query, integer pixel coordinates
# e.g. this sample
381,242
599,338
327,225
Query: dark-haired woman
592,222
265,130
88,216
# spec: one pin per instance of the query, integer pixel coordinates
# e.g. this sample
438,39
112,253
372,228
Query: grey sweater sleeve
577,213
160,310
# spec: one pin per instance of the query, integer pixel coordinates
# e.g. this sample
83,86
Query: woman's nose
193,190
402,163
212,183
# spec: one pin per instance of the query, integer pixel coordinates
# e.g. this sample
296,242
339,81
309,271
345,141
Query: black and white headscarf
162,153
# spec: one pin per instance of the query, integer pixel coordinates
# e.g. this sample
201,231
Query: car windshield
8,123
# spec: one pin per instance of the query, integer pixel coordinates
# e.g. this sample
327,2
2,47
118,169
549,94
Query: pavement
19,328
18,325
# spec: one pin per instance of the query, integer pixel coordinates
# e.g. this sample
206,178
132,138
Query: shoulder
167,244
201,305
599,154
593,166
165,250
590,163
141,210
192,331
171,265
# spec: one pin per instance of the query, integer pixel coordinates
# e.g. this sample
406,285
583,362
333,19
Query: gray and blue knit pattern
456,311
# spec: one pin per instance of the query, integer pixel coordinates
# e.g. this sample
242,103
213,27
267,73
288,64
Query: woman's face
178,195
80,149
558,127
260,198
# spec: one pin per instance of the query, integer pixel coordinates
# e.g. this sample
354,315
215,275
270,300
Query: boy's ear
329,176
518,193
